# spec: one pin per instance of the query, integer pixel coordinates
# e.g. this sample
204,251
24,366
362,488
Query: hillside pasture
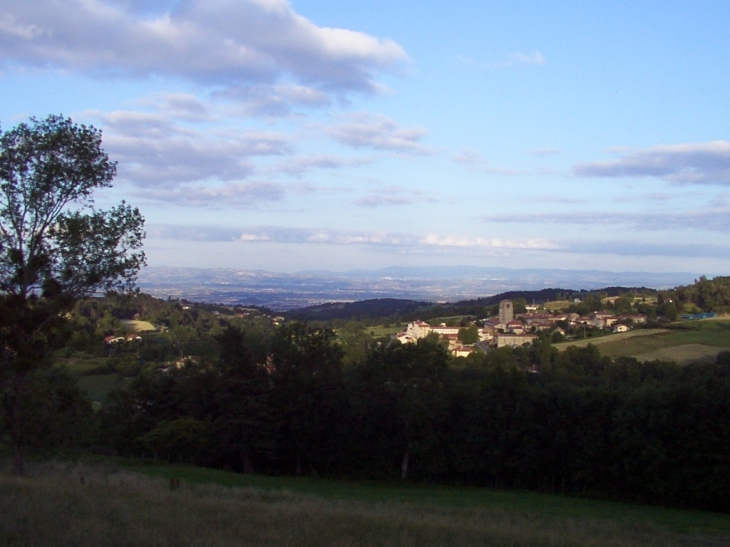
380,330
684,354
557,305
133,325
80,505
685,343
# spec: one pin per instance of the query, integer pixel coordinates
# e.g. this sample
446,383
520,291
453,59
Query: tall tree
306,366
409,378
55,246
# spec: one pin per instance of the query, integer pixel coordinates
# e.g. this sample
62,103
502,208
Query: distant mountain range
287,291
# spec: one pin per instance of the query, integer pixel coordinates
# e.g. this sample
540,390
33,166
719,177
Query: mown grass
620,338
689,341
133,325
684,354
68,505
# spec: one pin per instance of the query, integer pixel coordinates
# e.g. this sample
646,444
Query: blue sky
262,134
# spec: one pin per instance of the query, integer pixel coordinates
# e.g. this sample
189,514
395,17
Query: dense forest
587,425
231,388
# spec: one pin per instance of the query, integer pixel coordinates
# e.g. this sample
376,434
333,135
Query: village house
515,327
462,351
418,329
514,340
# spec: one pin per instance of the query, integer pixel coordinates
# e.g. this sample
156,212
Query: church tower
506,313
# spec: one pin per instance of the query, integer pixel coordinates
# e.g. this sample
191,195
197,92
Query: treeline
572,422
712,295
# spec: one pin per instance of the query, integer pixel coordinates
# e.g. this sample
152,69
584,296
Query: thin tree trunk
246,461
404,465
17,424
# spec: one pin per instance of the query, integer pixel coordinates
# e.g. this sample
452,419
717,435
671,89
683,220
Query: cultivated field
68,505
694,341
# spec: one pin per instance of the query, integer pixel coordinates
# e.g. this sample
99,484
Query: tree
55,246
409,380
469,335
308,392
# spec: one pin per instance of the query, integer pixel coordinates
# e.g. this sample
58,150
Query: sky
322,135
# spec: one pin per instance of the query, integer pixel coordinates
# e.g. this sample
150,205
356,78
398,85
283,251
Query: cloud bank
433,243
698,163
340,237
713,220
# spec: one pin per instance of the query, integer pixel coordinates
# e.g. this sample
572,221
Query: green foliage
55,413
55,247
706,294
184,437
469,335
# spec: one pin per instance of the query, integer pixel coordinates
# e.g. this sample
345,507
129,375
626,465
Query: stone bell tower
506,312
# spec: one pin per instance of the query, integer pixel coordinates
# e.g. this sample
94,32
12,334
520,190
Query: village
515,329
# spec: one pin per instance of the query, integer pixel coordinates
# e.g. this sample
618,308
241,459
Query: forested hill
402,309
363,309
707,294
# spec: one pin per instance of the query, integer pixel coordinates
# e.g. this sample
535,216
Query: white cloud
478,163
152,150
433,244
712,220
496,243
407,242
693,163
363,130
470,157
207,41
543,151
181,106
394,195
535,58
297,167
273,100
238,195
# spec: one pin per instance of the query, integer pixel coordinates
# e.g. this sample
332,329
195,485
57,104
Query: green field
557,305
124,503
98,386
380,330
689,342
449,497
132,325
80,362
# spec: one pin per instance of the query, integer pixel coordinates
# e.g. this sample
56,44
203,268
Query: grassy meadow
62,504
557,305
692,341
133,325
96,385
